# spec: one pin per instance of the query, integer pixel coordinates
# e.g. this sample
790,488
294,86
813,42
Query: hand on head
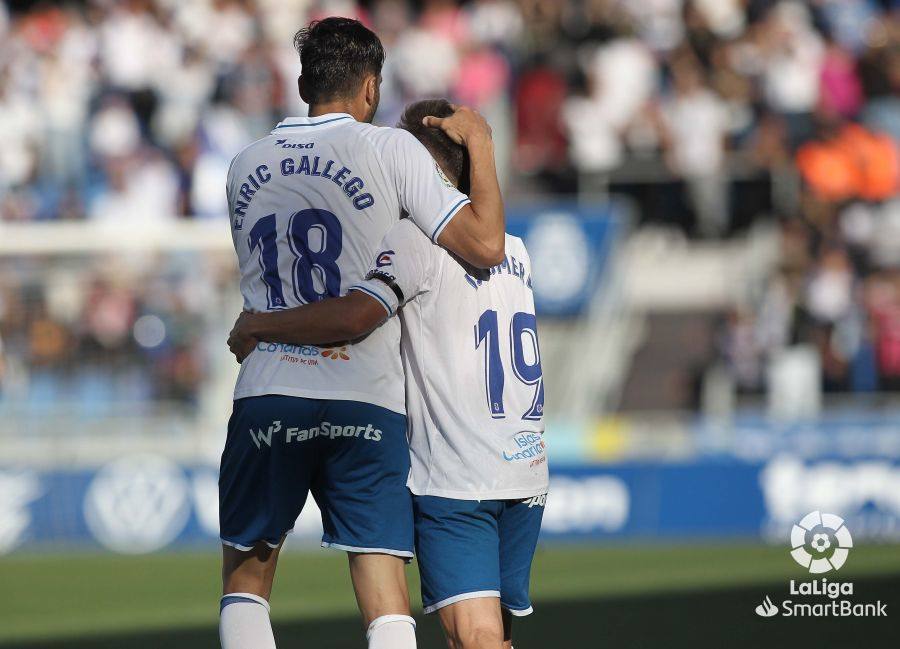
464,125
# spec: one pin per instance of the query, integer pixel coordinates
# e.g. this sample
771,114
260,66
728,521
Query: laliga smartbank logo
821,543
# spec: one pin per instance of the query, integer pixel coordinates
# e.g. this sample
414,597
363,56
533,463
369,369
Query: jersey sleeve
426,194
229,185
402,269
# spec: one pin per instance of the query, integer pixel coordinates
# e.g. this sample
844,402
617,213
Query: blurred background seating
711,117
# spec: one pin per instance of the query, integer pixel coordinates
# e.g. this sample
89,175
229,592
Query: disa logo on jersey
284,144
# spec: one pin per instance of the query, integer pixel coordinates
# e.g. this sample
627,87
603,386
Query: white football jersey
309,205
474,387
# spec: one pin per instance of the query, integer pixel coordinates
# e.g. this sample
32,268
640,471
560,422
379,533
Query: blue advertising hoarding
570,247
147,503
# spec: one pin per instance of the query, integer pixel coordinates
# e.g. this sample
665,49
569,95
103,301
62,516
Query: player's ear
371,89
301,88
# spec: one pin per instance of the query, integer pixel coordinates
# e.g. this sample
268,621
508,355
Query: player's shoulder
407,240
386,139
256,146
406,233
250,153
516,246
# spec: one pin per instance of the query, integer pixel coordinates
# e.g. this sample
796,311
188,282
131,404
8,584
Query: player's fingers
432,121
236,341
245,352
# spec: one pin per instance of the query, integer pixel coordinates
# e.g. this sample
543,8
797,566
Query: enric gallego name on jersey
837,606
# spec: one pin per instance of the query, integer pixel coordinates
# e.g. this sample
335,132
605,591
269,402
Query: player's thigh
379,581
457,546
249,571
519,526
265,472
361,481
473,624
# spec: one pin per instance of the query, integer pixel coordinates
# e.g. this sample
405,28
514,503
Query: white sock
244,622
392,632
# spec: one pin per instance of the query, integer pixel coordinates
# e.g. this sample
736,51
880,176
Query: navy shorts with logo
352,456
469,548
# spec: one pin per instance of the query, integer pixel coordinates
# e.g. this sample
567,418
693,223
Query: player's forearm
487,202
319,323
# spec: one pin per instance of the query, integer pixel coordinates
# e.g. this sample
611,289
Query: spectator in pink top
839,86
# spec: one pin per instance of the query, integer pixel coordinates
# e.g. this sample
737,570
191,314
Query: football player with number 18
475,402
309,205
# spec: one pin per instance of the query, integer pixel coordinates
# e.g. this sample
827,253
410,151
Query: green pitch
642,596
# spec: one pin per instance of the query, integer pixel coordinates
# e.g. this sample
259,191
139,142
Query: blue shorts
469,548
353,456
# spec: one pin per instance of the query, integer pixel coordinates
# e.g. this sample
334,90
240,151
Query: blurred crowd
88,336
837,291
130,110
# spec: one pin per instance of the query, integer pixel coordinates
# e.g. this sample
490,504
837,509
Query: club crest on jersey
384,259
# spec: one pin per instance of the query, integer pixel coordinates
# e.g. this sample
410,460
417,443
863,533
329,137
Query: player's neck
316,110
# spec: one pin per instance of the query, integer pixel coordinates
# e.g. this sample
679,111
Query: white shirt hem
363,397
503,494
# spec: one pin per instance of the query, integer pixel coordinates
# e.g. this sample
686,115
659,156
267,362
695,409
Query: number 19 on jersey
526,361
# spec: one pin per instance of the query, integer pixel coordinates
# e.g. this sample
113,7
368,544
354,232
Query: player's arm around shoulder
333,320
402,269
477,232
405,266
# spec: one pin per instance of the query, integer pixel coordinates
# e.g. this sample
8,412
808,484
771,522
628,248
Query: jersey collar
306,122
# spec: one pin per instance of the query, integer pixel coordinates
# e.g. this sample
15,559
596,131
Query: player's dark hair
336,54
452,157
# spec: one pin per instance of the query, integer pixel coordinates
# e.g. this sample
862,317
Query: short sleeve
426,194
401,269
229,187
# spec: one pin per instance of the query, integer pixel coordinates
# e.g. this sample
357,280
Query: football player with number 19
475,401
308,206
